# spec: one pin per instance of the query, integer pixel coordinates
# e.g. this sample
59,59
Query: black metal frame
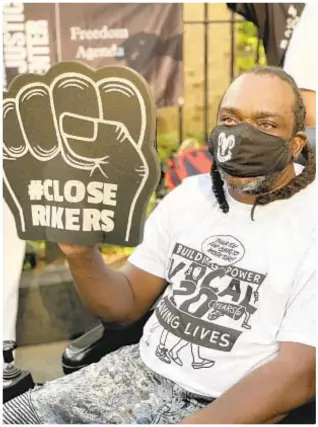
206,22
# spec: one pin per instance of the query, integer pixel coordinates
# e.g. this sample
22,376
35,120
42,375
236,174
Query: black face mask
244,151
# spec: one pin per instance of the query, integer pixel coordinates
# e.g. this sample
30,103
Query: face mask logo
225,145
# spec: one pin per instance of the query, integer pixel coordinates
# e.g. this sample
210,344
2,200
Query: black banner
146,37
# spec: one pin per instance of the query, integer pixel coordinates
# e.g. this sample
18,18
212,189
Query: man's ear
298,143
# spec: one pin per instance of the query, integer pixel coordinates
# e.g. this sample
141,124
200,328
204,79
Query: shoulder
194,188
193,197
201,183
306,197
300,215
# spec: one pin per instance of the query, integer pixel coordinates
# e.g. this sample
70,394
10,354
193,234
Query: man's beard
258,185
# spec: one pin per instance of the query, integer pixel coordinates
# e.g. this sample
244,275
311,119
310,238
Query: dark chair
305,414
99,341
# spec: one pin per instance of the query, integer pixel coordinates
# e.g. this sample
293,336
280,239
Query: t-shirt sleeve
151,254
299,322
300,59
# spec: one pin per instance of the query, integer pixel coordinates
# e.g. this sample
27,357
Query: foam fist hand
79,154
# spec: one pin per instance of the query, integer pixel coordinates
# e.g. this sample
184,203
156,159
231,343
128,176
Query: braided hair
302,180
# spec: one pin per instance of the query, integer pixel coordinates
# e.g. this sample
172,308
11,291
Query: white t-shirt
300,59
235,287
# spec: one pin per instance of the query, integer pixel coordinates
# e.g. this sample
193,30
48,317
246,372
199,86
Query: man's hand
75,250
268,393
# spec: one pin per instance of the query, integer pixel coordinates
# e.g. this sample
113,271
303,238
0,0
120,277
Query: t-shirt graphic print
212,305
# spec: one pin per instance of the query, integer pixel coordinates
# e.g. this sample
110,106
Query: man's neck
287,175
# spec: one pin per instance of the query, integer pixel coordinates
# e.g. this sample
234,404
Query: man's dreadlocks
302,180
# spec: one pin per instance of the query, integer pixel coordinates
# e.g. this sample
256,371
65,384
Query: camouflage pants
119,389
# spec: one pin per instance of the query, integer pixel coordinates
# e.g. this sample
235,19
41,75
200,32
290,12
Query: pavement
50,313
42,360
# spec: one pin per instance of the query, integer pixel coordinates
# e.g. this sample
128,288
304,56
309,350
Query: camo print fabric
119,389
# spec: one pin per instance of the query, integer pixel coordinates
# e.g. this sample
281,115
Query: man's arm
268,393
122,296
116,296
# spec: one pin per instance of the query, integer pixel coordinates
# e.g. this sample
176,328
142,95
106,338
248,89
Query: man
257,224
300,59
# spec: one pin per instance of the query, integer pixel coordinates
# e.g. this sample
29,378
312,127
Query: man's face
265,102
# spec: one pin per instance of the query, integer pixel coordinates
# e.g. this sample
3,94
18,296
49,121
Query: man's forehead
253,92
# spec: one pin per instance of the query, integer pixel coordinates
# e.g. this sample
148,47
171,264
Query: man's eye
228,120
267,125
